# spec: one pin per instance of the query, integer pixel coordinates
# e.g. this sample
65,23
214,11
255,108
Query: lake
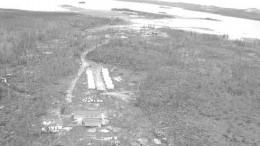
235,28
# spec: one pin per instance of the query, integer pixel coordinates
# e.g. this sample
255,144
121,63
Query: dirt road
84,64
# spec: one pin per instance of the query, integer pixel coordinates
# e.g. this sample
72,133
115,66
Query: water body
236,28
237,4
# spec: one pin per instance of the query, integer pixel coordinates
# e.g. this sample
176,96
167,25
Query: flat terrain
172,87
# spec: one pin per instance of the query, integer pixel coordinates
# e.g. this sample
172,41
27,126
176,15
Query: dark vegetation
36,50
239,13
82,2
143,14
201,89
211,19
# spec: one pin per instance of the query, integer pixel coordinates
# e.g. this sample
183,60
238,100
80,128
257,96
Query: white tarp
107,79
91,82
98,80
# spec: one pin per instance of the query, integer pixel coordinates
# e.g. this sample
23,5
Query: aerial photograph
129,73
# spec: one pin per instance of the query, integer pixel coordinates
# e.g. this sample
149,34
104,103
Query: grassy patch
193,78
37,39
36,50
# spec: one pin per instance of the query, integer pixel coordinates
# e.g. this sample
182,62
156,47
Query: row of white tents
99,79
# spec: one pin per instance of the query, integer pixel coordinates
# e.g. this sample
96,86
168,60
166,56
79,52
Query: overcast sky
53,4
241,4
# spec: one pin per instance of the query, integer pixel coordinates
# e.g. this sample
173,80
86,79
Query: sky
40,5
240,4
52,4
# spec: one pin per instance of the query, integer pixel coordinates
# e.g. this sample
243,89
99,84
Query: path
121,122
84,64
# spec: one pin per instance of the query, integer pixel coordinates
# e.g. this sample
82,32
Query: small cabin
88,118
92,122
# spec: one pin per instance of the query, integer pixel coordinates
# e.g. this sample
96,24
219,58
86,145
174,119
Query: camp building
88,118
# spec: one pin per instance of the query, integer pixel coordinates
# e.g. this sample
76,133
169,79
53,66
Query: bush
57,65
25,37
190,76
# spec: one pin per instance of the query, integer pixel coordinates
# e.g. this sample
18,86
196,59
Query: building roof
92,122
87,114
